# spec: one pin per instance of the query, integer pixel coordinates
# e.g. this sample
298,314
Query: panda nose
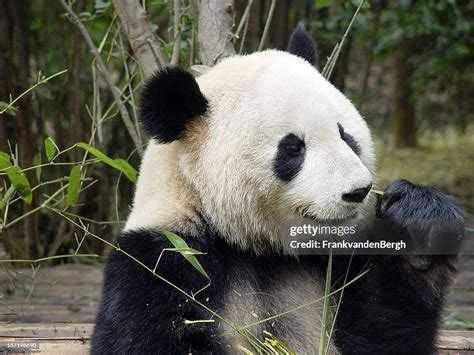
357,195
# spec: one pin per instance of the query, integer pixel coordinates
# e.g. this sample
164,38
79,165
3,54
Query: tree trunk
5,71
255,26
22,239
403,108
378,7
144,44
215,30
279,29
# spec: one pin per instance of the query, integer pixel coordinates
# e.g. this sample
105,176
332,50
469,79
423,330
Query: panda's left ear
302,45
170,99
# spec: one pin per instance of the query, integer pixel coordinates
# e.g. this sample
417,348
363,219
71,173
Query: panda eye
349,139
294,148
290,157
292,145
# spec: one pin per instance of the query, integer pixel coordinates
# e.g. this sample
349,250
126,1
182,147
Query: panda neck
163,199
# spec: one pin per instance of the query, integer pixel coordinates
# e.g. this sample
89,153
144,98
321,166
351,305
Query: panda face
278,142
255,141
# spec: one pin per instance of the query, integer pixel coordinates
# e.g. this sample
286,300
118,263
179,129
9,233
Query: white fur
246,305
227,175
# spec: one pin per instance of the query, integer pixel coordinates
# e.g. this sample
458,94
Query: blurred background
407,65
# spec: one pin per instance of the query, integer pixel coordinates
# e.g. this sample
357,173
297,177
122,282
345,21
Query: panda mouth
306,214
333,219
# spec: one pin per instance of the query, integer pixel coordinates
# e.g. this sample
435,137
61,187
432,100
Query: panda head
256,140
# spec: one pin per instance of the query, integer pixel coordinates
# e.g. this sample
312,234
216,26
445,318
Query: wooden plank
48,347
50,338
78,331
60,293
57,338
451,340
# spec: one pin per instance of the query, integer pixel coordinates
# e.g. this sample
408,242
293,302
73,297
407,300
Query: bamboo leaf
7,108
5,161
74,185
180,244
16,177
118,164
20,183
51,149
186,251
125,167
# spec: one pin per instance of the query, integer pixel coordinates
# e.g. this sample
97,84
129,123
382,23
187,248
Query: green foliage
319,4
20,182
436,35
16,177
119,164
50,148
439,37
74,185
100,7
443,29
187,252
5,107
328,29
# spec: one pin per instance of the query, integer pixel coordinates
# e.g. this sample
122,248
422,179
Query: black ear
170,99
302,45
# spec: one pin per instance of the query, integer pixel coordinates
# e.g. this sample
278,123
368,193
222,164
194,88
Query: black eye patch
350,140
290,157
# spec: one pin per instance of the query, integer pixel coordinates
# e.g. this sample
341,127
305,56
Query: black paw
403,200
433,222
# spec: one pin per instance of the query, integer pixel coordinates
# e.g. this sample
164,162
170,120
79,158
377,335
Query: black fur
349,139
394,309
397,309
141,314
301,44
290,157
170,99
403,200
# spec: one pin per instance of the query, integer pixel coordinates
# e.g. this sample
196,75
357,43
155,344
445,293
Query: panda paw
432,221
403,200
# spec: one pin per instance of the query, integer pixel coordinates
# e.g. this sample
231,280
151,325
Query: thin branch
117,248
129,85
195,11
244,36
144,43
302,306
267,25
177,32
330,59
47,258
370,56
329,67
132,130
244,19
41,80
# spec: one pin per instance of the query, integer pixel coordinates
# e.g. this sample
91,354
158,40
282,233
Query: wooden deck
65,293
70,293
74,338
56,306
49,338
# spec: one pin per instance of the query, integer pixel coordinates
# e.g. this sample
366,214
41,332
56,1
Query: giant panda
255,140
